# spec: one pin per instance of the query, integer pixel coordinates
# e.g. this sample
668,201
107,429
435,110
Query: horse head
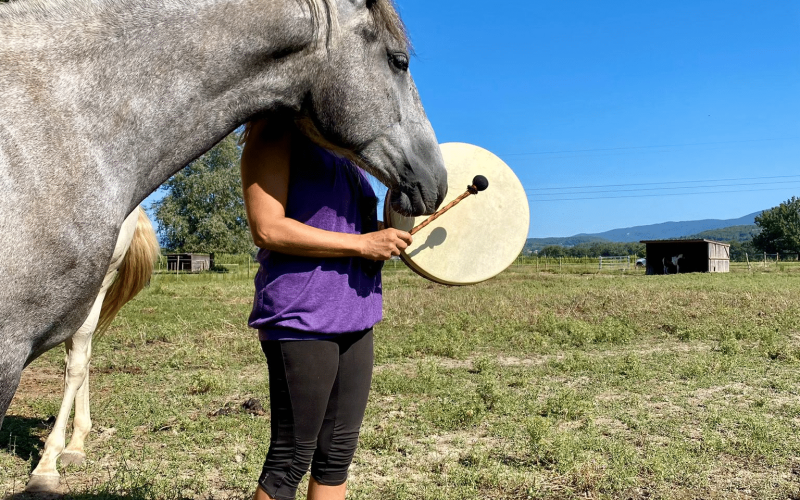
364,101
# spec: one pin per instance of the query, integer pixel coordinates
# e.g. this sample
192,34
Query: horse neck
146,87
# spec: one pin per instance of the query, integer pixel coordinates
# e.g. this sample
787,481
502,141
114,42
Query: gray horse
103,100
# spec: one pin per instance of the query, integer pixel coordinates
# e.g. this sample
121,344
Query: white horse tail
133,274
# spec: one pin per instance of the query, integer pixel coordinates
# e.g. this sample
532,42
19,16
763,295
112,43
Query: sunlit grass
532,385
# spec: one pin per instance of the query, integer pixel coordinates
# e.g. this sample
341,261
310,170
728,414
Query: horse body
105,99
670,262
676,261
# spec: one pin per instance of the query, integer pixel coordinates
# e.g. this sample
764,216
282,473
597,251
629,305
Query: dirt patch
537,361
612,425
128,370
37,383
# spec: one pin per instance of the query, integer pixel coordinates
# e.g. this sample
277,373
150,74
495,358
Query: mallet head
479,183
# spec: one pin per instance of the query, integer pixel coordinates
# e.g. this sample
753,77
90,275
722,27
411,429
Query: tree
552,251
780,228
203,209
743,250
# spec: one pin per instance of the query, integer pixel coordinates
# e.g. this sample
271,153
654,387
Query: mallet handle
439,212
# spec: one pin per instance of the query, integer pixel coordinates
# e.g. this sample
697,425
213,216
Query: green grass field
538,384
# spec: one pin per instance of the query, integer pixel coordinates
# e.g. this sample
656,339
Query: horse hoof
43,484
72,457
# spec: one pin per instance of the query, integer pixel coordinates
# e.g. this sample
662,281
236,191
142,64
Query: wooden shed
190,262
687,256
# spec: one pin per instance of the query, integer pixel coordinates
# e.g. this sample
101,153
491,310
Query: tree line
594,249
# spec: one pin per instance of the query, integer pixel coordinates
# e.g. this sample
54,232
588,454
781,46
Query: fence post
747,258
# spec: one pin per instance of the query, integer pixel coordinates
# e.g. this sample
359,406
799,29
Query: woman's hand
383,244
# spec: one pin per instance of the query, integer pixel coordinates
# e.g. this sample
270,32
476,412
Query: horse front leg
45,477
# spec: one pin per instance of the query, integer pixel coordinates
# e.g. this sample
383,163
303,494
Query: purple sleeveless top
302,298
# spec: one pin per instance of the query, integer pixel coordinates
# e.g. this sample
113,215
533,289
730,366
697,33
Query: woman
318,295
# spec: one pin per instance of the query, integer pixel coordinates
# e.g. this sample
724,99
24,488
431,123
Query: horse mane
384,12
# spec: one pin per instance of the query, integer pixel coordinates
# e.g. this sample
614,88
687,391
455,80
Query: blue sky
676,110
616,93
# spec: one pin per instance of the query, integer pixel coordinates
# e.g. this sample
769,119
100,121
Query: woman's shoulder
306,150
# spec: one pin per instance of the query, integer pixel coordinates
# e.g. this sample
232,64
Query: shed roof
686,241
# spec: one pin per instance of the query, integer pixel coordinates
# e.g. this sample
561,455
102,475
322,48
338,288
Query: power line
530,196
664,188
646,147
660,183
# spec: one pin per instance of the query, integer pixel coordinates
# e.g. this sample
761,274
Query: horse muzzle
408,160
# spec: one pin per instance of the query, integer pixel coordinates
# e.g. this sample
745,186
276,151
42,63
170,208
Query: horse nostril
440,199
442,194
418,205
427,202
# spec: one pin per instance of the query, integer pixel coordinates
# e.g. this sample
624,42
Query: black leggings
318,392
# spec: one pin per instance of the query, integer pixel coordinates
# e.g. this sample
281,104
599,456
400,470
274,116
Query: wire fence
244,266
226,267
615,262
233,267
780,261
578,265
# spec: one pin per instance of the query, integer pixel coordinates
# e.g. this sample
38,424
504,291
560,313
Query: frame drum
478,238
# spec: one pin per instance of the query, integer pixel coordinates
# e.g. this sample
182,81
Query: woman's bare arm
265,185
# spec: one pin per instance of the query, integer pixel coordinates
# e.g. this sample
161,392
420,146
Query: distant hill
663,231
667,230
732,233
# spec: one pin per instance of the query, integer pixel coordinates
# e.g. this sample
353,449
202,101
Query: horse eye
399,60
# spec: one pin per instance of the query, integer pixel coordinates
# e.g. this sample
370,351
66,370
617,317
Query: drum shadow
436,238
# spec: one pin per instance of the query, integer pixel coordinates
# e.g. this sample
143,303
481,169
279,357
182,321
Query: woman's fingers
384,244
405,237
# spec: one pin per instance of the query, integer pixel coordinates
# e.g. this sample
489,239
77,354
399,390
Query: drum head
478,238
